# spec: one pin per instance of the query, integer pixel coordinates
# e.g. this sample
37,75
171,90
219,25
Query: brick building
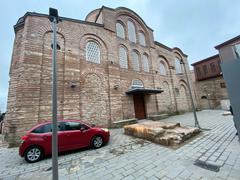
109,68
210,88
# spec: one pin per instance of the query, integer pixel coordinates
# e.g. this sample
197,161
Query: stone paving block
152,178
148,167
138,173
149,173
231,178
185,174
203,158
130,177
235,173
212,158
219,162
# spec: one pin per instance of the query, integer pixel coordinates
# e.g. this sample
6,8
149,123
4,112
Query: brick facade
98,95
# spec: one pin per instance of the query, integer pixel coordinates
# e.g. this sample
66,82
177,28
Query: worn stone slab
119,124
160,132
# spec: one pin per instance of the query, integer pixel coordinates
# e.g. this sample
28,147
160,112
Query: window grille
93,52
136,83
120,30
142,39
131,32
135,61
123,61
178,66
162,69
145,63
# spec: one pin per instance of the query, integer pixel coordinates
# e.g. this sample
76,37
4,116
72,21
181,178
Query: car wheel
33,154
97,142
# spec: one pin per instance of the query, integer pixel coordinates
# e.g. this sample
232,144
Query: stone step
121,123
158,117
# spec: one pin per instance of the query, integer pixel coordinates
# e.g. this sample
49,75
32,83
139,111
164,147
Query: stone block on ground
121,123
160,132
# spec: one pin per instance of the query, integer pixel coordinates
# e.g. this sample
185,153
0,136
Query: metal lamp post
190,93
53,17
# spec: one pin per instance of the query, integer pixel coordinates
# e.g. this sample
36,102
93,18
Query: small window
136,83
223,85
237,50
178,66
145,63
142,39
135,61
162,69
123,60
131,32
120,30
213,67
205,70
93,52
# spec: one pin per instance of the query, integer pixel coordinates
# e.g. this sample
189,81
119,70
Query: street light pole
190,93
53,17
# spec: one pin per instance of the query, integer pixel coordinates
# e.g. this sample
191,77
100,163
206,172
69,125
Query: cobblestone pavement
132,158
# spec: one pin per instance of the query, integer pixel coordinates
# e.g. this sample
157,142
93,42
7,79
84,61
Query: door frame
144,105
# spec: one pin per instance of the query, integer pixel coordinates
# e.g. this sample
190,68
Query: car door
47,137
77,136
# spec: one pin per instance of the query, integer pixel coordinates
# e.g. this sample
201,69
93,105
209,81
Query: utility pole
191,97
53,17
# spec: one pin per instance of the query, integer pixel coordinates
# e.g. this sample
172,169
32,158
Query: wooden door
139,106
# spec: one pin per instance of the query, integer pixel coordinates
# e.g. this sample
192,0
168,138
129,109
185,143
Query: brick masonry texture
94,98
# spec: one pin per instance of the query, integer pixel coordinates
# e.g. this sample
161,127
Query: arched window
136,83
92,52
145,63
162,69
142,39
120,30
131,31
178,66
123,60
135,61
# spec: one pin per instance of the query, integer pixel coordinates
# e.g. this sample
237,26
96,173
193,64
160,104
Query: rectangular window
205,70
213,67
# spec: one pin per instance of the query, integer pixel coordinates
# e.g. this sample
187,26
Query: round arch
92,37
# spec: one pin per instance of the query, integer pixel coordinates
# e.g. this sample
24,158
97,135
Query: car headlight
105,129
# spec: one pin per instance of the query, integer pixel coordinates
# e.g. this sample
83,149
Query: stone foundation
167,134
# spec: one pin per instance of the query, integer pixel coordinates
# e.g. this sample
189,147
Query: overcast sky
195,26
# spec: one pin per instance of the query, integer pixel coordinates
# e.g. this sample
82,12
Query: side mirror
82,128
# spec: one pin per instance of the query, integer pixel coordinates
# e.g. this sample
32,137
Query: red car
72,134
